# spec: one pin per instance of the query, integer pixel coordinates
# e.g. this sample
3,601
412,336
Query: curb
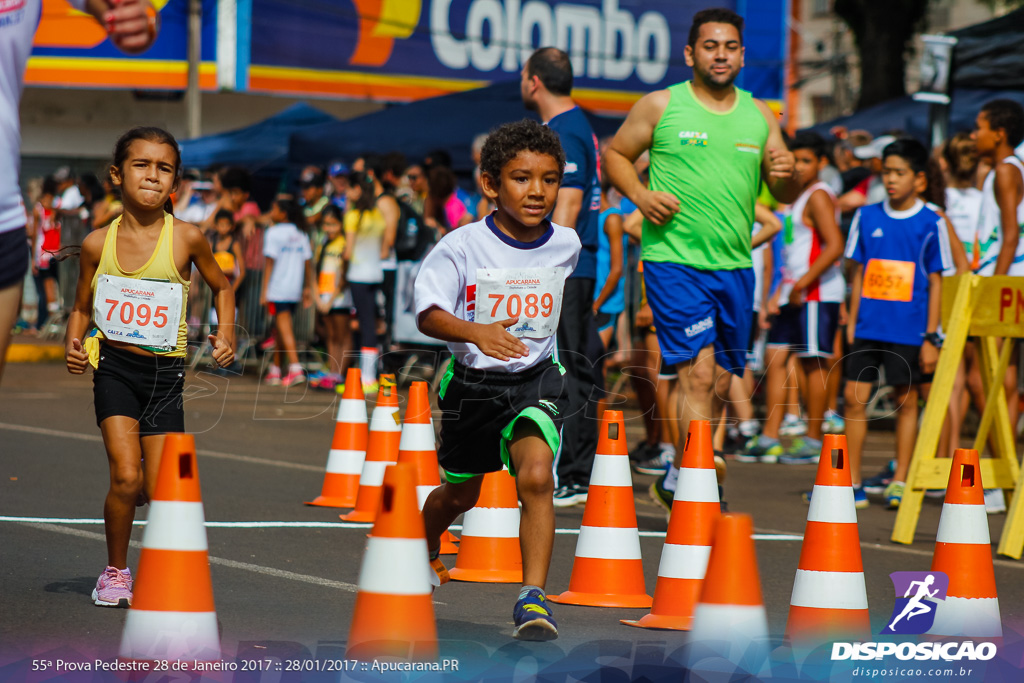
35,353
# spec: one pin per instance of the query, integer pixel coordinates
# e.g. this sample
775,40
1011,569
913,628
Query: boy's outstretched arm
493,339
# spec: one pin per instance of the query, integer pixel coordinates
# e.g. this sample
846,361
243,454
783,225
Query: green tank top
711,161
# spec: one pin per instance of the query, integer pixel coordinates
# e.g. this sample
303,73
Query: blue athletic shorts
809,330
695,308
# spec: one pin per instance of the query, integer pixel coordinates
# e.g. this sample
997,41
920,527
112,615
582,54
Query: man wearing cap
871,190
311,185
131,25
337,175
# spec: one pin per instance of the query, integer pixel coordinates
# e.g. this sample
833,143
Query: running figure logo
915,611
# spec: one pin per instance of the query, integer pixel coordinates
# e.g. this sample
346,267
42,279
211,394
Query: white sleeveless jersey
448,280
800,247
18,22
963,207
990,234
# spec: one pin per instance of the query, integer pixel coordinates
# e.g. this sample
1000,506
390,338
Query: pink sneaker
113,588
273,377
296,376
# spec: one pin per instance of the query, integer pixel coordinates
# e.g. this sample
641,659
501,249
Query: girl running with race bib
132,297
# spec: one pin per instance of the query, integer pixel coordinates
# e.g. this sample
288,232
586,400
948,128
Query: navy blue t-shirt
583,172
906,247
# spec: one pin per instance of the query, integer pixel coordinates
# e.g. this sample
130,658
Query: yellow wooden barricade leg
926,471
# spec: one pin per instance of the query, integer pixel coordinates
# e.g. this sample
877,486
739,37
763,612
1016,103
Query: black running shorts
480,410
144,388
13,257
901,363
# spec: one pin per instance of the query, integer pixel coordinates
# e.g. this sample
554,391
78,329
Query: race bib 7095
139,312
534,295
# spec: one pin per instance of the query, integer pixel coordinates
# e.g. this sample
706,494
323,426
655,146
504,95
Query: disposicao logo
917,594
914,612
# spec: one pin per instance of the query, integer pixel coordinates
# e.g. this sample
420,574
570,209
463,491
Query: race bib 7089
534,295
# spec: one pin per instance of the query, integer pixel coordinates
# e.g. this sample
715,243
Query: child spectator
610,299
287,280
807,306
900,248
227,250
516,388
45,245
334,302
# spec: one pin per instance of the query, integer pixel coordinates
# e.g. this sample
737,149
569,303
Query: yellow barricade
987,308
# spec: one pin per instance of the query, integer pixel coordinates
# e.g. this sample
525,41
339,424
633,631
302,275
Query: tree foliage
882,32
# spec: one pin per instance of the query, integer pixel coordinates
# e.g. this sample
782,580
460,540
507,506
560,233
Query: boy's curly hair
508,140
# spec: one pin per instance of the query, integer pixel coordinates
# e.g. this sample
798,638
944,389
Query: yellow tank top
160,268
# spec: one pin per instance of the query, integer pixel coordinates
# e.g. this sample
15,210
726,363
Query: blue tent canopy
448,122
904,114
260,148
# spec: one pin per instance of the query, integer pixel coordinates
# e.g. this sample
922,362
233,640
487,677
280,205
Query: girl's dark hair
935,192
49,185
92,187
441,183
224,214
368,199
332,211
292,211
150,134
961,155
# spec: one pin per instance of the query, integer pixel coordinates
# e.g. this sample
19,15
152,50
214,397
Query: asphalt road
285,574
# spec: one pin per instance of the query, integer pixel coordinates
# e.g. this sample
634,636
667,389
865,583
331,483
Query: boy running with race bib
133,286
493,291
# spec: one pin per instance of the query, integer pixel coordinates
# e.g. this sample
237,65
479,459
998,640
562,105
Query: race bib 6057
137,311
534,295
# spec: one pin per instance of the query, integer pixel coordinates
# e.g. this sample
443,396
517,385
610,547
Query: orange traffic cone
172,615
381,451
730,619
489,551
417,448
964,553
348,449
830,600
393,615
608,570
684,557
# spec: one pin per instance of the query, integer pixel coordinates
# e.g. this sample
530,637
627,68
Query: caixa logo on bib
616,43
919,596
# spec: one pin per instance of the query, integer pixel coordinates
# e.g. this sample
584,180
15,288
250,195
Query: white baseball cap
874,149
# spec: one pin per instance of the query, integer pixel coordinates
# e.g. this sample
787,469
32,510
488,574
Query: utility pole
193,97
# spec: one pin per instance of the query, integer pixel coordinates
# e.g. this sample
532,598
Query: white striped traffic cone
172,615
730,619
608,570
963,551
417,448
348,448
489,550
830,599
684,557
394,614
381,451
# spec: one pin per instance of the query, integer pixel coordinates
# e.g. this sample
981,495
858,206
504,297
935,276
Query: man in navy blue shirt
547,88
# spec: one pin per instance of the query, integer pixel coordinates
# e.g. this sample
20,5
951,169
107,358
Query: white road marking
95,438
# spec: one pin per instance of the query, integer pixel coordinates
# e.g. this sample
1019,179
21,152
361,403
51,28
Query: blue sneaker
833,423
761,448
876,485
533,618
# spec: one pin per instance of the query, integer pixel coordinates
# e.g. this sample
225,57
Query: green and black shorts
480,410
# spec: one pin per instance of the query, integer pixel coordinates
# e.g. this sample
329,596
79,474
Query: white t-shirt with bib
290,249
448,280
18,22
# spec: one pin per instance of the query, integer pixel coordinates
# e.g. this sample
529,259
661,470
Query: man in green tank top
711,146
